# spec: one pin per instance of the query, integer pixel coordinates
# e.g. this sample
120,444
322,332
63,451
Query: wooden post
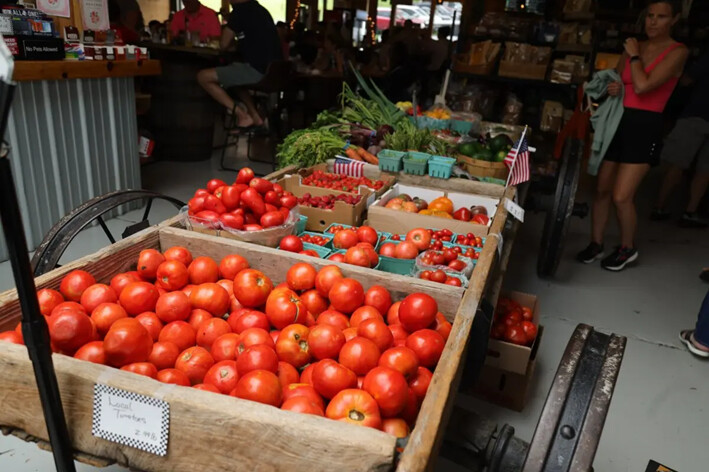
371,21
431,17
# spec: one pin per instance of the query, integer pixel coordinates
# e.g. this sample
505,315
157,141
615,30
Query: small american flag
349,167
517,160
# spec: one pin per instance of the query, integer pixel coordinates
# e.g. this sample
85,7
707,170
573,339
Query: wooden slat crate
217,432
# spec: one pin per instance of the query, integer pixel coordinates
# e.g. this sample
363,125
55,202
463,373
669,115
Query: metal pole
34,327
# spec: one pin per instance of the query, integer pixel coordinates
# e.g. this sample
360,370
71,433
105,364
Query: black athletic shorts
638,139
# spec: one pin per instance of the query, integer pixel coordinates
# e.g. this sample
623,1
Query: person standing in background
688,142
649,71
196,18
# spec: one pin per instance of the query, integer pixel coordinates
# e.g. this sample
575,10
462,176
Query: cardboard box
504,388
398,222
388,181
319,219
513,357
523,71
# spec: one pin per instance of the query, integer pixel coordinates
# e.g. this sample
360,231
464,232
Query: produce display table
251,435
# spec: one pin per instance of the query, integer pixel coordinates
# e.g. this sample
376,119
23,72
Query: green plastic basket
415,163
460,126
440,167
394,265
300,225
322,251
390,161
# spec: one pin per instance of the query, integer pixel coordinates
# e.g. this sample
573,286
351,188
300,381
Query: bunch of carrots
361,154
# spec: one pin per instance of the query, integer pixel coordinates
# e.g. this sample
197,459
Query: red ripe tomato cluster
315,239
345,238
361,254
469,240
249,204
513,323
440,276
292,243
447,257
327,202
340,182
441,234
318,343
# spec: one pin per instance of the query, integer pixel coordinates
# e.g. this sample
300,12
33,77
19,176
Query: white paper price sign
131,419
514,210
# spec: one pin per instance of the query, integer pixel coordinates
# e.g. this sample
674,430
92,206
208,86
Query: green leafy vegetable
308,147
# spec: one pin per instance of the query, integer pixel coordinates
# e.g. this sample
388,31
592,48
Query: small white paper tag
131,419
514,209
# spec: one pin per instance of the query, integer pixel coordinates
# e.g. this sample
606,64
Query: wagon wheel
556,223
50,250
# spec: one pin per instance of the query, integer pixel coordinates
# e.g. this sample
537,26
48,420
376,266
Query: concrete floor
658,410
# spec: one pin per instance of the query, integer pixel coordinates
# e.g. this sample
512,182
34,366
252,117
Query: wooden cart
217,432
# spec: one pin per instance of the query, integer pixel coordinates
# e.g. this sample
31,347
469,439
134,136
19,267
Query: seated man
196,18
259,45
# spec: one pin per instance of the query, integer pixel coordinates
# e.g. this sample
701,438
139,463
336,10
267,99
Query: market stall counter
72,121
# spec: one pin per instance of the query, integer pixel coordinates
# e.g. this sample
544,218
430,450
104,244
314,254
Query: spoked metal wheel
55,242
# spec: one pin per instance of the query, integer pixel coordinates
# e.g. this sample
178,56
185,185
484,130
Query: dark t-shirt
256,34
699,99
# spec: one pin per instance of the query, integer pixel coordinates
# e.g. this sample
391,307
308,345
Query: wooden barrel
182,114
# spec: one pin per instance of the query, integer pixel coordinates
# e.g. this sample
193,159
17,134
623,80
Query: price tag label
514,209
131,419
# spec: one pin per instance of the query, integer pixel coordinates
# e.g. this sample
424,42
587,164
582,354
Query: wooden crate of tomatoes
283,360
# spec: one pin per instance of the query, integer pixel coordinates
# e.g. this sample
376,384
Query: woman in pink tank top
649,71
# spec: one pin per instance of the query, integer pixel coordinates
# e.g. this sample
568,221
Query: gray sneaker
692,220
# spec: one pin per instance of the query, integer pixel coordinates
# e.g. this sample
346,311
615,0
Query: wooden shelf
59,70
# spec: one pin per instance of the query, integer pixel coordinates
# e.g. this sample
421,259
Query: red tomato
306,376
119,282
74,283
454,281
71,306
287,374
527,314
195,362
302,390
284,307
105,315
92,352
248,319
463,214
222,375
151,322
224,348
326,278
203,270
512,319
173,306
210,330
364,313
325,341
271,219
257,357
402,359
164,355
253,201
138,297
195,205
302,405
400,335
97,294
289,201
354,406
197,317
172,275
231,265
367,234
231,196
244,176
180,254
127,342
378,297
292,345
417,311
148,262
428,346
346,295
314,302
457,265
345,239
252,287
393,314
142,368
262,186
259,386
205,387
419,383
70,329
359,355
389,388
411,409
515,334
214,184
396,427
358,256
291,243
211,297
376,331
173,376
442,326
301,276
530,330
48,299
180,333
334,318
388,250
420,237
349,333
406,250
481,219
339,257
330,377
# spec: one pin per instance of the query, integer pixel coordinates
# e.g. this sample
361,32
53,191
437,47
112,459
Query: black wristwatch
634,58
